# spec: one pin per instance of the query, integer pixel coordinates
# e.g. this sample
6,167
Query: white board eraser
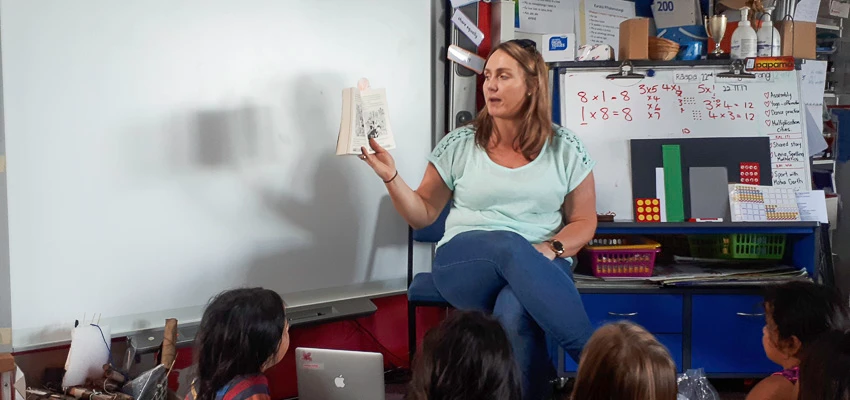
466,58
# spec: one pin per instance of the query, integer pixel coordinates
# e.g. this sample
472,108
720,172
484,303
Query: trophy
715,27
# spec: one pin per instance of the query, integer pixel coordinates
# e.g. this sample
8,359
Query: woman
467,357
523,201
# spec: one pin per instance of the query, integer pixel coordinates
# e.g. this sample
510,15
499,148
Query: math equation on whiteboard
668,101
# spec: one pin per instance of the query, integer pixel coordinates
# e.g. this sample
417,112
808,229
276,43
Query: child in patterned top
796,313
243,333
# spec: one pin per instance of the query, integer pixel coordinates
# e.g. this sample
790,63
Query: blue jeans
533,297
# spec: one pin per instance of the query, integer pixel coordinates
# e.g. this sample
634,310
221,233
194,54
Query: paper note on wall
547,16
812,81
467,27
461,3
812,206
807,11
599,21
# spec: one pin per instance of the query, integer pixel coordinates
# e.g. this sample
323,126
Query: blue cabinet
658,313
727,335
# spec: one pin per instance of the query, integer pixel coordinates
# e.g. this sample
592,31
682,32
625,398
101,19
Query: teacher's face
505,91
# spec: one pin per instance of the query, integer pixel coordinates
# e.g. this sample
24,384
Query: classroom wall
5,295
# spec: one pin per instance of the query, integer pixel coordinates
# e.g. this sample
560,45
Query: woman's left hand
544,249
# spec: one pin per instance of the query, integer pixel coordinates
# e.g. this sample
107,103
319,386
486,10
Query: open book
364,115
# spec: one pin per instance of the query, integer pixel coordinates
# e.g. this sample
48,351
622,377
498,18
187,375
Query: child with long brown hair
622,361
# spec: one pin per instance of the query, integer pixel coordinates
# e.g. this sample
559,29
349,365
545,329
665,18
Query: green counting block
673,192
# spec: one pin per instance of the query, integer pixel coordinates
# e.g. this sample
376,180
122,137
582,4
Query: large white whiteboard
160,152
607,113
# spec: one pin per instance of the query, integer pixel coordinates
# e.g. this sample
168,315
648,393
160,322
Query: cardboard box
7,363
634,39
798,39
554,47
670,13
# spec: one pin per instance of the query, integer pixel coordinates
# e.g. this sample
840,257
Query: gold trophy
715,27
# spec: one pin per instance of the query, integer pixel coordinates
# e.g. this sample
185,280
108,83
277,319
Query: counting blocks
647,210
750,173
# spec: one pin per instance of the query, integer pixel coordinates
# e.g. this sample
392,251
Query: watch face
558,246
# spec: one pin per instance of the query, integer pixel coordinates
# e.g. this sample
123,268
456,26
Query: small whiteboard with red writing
681,103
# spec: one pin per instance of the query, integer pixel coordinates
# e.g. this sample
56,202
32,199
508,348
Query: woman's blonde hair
536,126
622,361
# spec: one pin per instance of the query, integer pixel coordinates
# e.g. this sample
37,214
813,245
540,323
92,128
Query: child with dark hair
825,368
243,332
467,357
796,313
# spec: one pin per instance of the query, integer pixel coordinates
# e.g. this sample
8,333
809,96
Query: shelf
660,228
823,162
829,95
637,63
565,66
829,27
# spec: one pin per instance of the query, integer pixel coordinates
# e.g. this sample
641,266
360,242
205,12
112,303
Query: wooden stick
169,342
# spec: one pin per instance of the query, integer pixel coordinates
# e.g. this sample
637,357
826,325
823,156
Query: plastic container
740,246
744,38
621,256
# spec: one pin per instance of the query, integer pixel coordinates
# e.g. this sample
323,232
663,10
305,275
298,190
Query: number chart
606,113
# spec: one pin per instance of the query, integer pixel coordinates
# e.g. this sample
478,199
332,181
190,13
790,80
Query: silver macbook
339,375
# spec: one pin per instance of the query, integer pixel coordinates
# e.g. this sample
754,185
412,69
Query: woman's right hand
381,162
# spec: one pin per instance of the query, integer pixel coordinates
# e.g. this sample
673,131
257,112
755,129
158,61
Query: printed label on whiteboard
692,77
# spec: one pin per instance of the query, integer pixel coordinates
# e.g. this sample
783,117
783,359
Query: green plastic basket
749,246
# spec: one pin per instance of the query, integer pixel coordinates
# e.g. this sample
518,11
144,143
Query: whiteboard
160,152
681,103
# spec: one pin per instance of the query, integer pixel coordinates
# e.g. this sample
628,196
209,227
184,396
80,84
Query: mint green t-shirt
525,200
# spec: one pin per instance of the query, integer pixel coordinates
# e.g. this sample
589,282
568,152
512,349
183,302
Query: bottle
744,39
768,40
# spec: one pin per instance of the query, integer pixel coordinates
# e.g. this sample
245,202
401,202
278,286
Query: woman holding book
523,201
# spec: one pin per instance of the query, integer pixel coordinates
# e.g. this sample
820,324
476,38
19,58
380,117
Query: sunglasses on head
527,44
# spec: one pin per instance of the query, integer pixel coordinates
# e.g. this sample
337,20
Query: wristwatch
556,246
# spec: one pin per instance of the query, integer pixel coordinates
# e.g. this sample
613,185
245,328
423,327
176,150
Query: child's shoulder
254,387
774,387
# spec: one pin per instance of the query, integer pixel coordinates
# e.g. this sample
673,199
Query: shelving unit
695,323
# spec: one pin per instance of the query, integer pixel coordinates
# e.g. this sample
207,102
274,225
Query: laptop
339,375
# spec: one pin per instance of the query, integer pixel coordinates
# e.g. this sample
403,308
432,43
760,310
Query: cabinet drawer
658,313
727,333
673,343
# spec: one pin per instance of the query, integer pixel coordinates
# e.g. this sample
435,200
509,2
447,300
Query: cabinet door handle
631,314
743,314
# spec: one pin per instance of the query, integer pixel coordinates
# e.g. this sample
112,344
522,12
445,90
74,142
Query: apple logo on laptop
339,381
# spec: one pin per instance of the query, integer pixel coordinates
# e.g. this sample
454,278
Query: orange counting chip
647,210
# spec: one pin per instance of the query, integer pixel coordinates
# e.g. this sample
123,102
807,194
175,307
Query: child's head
467,357
624,361
242,332
796,313
825,368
